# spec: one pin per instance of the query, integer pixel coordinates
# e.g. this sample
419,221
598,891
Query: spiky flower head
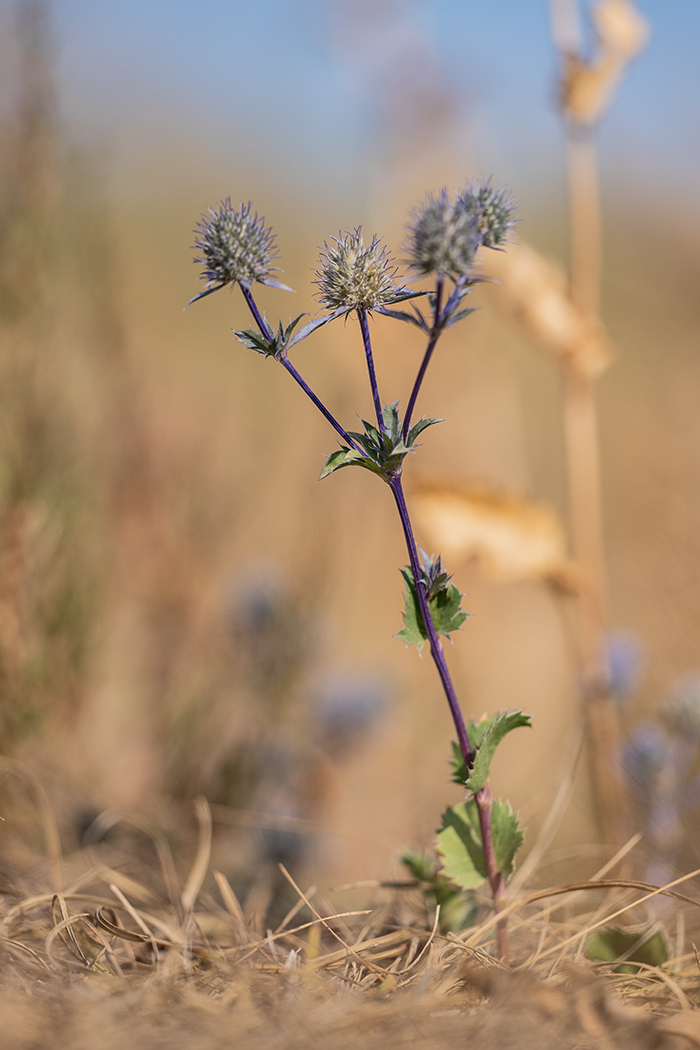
235,245
443,236
494,211
356,277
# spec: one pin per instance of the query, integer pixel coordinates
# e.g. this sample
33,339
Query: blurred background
184,609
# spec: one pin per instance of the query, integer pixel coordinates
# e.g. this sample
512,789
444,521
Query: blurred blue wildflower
625,658
348,707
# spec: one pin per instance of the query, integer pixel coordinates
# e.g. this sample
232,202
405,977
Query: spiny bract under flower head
494,209
443,236
236,245
356,277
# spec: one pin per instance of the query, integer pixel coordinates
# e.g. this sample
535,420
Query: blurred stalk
32,189
582,445
26,219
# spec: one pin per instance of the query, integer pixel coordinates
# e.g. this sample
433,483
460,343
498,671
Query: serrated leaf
610,943
255,341
459,842
413,632
381,452
445,612
507,836
459,845
478,734
499,727
347,457
419,427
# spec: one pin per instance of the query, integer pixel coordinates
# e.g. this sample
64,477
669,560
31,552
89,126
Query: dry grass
139,477
166,955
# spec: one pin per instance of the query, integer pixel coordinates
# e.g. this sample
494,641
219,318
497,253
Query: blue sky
275,75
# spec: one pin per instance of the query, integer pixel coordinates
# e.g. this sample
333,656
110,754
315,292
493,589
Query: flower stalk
432,343
444,235
367,343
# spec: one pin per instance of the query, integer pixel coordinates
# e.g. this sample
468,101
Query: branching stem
284,360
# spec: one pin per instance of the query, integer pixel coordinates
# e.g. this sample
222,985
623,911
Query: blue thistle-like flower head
494,211
356,277
443,236
235,245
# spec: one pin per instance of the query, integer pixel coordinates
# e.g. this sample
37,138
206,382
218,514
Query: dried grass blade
137,918
297,908
348,948
58,905
229,898
70,940
655,891
427,944
112,927
297,929
666,891
202,857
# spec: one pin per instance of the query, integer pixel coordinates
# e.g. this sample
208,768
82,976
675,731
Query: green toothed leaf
445,611
383,453
460,846
255,341
484,738
349,457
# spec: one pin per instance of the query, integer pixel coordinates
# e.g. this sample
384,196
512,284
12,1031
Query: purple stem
364,326
436,650
434,336
483,798
484,807
252,306
284,360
